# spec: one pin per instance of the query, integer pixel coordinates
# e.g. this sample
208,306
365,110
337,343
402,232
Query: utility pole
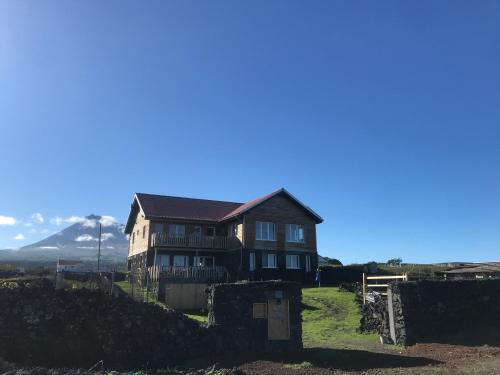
99,250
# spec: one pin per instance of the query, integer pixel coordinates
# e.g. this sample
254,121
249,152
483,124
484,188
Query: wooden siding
279,210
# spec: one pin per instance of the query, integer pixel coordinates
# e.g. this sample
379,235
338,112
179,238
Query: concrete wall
186,296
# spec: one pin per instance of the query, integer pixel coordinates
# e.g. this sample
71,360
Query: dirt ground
428,358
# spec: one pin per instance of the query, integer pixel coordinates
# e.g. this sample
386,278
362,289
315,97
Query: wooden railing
199,274
375,283
196,241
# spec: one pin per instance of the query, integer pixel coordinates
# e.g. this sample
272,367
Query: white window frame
289,263
186,260
292,233
270,256
252,262
176,232
308,263
270,229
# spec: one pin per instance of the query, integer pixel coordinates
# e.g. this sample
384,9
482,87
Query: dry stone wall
232,321
77,328
437,311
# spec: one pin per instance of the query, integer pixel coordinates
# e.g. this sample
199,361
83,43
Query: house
271,237
488,270
70,265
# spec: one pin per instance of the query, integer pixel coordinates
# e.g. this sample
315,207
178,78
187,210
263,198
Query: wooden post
364,288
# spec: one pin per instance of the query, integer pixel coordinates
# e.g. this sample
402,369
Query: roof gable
165,207
256,202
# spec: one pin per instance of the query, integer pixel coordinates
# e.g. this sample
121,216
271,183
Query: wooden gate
278,319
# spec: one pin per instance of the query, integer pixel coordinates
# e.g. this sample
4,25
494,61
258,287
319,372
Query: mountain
78,241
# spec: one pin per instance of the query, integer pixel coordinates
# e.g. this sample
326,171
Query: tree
395,262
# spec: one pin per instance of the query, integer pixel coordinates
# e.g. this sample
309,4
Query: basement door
278,320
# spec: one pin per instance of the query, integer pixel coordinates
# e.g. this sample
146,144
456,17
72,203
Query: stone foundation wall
232,321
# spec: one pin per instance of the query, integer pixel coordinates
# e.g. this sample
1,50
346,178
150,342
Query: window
210,231
264,231
233,230
181,261
163,261
252,261
175,230
269,261
294,233
158,228
144,231
133,237
292,262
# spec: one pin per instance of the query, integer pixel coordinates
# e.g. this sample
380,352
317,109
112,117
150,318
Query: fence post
364,288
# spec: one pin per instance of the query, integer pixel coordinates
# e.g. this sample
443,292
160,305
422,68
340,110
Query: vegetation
330,318
142,294
414,271
394,262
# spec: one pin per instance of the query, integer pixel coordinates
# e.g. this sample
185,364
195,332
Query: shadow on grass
340,359
303,306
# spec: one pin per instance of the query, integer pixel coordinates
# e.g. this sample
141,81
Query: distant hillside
78,241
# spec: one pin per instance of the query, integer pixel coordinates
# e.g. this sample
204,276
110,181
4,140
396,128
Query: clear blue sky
383,116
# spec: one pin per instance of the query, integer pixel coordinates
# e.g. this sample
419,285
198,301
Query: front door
278,325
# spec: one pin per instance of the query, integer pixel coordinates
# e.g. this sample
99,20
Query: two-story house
271,237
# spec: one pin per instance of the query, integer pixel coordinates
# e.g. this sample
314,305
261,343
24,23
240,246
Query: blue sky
382,116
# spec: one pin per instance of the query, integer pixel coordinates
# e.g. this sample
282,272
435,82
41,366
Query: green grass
330,318
126,287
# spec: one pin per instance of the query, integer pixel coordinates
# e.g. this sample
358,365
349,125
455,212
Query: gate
278,319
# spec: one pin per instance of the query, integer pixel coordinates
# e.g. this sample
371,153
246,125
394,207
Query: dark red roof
163,206
184,208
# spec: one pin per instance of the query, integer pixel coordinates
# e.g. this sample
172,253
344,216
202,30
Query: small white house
68,265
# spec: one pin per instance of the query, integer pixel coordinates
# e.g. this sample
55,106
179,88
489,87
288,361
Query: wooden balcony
193,241
217,274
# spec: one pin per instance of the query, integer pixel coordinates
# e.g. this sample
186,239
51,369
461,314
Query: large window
264,231
163,261
158,228
252,261
180,261
269,261
176,230
292,262
294,233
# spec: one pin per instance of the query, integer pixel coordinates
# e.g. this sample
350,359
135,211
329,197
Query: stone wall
77,328
232,322
440,311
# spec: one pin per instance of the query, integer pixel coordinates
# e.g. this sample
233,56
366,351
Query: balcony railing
195,241
185,274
